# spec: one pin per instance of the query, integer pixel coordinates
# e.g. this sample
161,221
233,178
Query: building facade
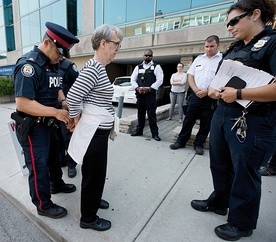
174,30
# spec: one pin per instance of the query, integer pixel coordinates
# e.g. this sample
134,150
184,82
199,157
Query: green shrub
6,86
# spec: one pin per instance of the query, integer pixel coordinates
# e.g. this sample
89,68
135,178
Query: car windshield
122,82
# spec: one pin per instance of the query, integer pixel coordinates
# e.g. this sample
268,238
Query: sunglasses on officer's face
148,55
235,20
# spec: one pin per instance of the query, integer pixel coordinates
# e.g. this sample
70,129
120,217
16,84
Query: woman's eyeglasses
235,20
117,44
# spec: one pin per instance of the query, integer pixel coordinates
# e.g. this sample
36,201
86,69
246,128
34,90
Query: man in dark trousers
68,72
146,79
200,75
37,91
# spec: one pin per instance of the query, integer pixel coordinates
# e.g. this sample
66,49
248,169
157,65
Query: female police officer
235,160
37,86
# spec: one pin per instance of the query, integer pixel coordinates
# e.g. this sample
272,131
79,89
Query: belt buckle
38,120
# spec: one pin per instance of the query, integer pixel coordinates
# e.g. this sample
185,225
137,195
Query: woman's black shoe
99,224
104,204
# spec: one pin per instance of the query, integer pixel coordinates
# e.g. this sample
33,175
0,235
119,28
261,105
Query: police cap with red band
61,36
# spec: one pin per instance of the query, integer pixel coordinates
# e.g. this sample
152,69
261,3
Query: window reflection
168,16
163,7
203,16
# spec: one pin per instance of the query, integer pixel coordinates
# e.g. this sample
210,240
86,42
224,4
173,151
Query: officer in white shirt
200,106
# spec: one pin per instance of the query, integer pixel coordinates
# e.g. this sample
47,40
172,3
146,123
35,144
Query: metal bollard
120,105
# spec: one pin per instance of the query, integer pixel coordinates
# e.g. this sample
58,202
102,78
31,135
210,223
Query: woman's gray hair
105,32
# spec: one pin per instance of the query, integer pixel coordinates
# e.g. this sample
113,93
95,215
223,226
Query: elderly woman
90,105
235,159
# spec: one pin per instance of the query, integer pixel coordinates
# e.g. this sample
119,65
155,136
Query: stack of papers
253,77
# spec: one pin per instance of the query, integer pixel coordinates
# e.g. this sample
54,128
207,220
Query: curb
49,232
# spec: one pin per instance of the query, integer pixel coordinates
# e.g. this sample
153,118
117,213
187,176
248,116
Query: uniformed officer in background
37,91
68,71
146,78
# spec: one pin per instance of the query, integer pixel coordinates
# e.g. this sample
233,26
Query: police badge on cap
63,39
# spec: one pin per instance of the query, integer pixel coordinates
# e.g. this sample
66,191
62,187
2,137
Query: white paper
253,77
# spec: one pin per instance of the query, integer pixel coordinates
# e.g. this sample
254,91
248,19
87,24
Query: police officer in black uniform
68,72
241,139
37,90
146,79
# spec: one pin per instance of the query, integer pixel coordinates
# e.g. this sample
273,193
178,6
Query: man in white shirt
146,78
200,106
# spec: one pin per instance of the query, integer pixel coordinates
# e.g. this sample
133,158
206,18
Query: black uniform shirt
259,53
68,72
37,79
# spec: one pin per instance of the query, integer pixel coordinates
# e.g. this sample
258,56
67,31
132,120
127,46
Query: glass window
9,28
10,38
30,29
27,6
1,16
52,13
8,15
79,17
98,13
210,15
163,7
45,2
115,11
72,16
141,9
200,3
3,47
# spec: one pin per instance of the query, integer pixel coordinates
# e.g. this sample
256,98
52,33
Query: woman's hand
228,94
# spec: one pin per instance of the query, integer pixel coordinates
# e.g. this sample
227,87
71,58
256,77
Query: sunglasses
235,20
148,55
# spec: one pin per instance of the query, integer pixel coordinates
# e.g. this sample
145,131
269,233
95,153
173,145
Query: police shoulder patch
74,67
27,70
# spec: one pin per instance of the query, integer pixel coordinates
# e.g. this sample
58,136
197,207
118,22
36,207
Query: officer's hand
147,89
141,90
62,115
202,93
228,94
71,125
64,105
213,93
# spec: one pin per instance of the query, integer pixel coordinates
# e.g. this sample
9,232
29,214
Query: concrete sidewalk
149,188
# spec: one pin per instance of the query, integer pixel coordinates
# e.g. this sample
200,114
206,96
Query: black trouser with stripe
41,158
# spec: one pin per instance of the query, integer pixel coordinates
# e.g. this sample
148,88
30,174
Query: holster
23,125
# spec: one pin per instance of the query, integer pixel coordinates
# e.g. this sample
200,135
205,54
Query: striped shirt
93,87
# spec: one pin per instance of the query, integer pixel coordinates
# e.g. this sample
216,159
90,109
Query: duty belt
257,108
49,121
